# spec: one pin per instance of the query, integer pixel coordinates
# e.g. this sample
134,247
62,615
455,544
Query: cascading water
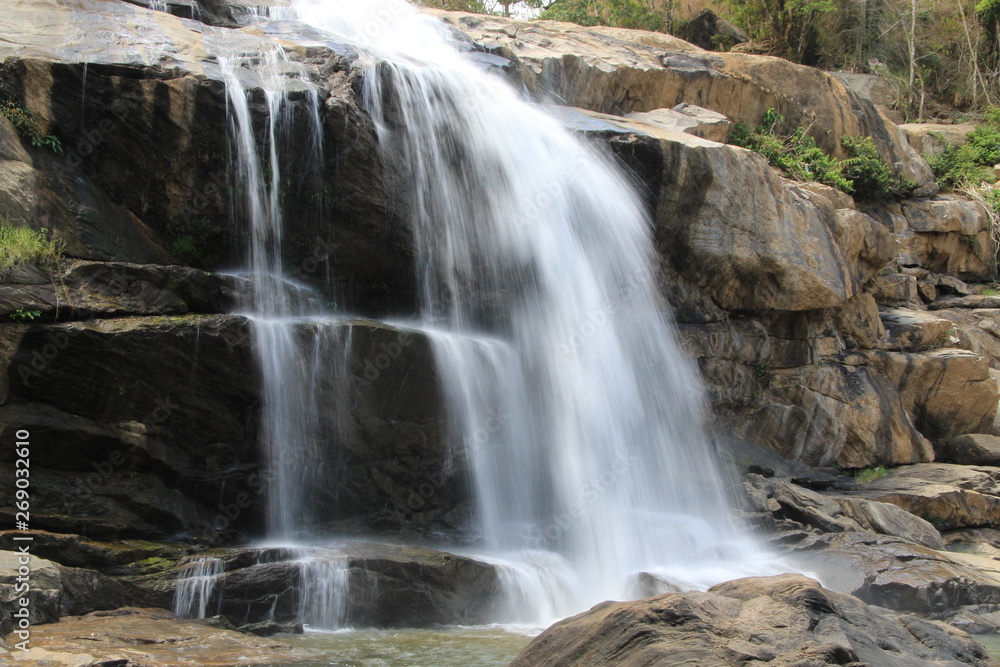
278,310
538,289
581,417
196,586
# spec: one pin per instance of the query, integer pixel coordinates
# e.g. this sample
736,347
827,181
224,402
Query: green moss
870,474
971,163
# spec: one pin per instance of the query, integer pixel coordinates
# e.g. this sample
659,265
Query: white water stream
580,415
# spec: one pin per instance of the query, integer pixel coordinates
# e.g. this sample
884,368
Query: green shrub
23,315
796,153
20,245
864,174
868,173
972,162
24,122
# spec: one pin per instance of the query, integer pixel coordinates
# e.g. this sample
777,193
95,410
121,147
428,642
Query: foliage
787,28
868,173
864,174
796,153
972,162
473,6
870,474
23,315
637,14
24,122
20,245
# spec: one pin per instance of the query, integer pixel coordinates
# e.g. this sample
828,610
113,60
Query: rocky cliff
831,333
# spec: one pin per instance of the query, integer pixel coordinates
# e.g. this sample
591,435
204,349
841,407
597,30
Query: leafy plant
20,245
863,174
24,122
972,162
870,474
618,13
868,173
23,315
796,153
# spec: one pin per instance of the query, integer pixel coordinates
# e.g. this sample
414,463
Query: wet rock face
151,416
356,584
156,421
144,176
786,620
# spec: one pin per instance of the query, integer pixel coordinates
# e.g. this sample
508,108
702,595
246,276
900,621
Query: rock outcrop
785,620
617,71
151,638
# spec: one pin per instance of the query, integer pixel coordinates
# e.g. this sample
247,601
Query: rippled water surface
486,646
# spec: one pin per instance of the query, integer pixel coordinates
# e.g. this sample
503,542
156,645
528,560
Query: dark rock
710,32
894,573
56,591
786,620
386,586
975,449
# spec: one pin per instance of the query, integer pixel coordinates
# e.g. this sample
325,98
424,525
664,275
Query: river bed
459,646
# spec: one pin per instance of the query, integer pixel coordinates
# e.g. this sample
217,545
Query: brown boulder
785,620
150,638
948,496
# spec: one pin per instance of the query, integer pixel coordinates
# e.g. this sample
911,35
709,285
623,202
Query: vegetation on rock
21,245
972,162
863,174
24,122
871,474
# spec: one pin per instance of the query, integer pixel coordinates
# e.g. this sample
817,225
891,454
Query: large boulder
894,573
55,590
840,414
947,392
830,513
933,139
357,584
973,449
948,496
784,248
783,620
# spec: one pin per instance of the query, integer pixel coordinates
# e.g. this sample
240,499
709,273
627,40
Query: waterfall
579,413
325,590
558,355
281,313
195,587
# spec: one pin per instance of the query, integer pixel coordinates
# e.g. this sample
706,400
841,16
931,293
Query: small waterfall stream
580,415
538,290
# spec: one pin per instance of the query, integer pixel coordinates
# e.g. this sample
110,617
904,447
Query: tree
638,14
